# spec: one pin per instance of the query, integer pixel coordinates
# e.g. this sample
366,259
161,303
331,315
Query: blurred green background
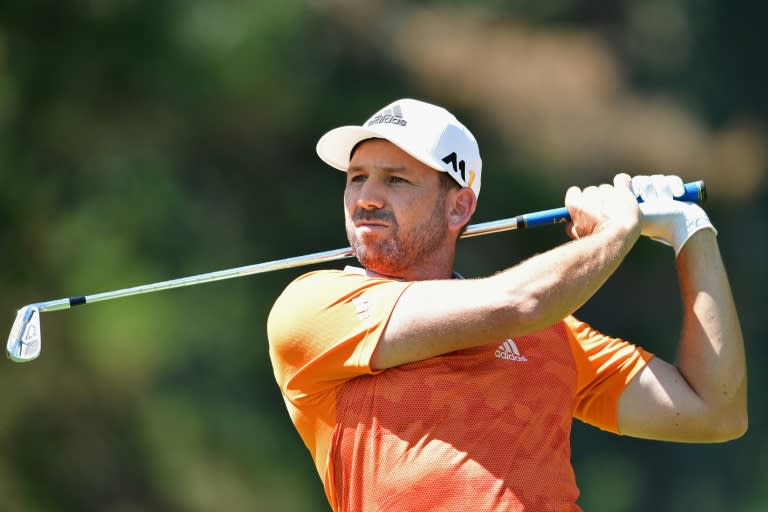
143,141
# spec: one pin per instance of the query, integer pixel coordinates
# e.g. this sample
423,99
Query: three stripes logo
392,115
509,351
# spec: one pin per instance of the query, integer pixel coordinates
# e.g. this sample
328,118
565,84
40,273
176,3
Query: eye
356,178
397,179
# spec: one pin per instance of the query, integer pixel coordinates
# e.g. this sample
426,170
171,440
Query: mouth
370,223
369,226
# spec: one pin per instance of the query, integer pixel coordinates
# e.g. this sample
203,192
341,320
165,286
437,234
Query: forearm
544,289
711,355
437,317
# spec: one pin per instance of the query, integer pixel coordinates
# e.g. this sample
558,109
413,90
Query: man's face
395,210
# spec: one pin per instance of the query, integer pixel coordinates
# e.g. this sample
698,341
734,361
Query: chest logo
509,351
362,309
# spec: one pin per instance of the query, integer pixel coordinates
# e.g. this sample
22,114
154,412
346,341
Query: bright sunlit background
143,141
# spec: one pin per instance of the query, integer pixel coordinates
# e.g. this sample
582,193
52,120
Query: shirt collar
365,272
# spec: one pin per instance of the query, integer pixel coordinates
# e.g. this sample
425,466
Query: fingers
594,207
593,193
597,196
572,196
570,230
677,185
622,181
657,187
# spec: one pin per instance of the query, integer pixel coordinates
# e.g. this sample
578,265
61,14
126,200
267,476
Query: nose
370,195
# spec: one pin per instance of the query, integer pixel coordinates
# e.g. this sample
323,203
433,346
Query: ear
462,205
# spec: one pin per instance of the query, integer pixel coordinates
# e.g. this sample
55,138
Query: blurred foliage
142,141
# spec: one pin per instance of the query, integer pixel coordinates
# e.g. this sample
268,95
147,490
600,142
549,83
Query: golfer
417,390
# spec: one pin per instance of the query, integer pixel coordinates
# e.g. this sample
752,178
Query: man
414,389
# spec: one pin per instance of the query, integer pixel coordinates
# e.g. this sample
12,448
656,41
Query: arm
437,317
703,397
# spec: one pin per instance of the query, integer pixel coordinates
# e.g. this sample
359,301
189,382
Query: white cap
427,132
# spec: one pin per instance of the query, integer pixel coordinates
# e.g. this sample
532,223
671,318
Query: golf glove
664,219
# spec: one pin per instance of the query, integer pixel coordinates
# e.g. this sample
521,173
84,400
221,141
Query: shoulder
313,287
325,325
310,280
327,285
329,294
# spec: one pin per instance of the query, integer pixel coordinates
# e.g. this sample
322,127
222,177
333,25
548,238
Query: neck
439,266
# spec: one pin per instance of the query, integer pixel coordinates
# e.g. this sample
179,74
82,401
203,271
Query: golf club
25,339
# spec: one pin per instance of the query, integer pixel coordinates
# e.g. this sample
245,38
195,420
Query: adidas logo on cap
392,115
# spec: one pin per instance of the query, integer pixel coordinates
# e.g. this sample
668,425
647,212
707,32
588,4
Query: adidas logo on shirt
509,351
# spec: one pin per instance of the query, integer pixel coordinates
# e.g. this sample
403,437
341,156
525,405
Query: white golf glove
664,219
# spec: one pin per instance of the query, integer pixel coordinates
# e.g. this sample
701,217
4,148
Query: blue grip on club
695,192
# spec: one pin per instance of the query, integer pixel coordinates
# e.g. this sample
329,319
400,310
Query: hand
664,219
595,208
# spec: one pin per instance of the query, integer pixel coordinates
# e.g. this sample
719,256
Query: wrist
618,237
692,220
621,230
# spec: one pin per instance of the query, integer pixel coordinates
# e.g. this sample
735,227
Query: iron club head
24,342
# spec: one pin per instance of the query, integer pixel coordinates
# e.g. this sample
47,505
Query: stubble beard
401,251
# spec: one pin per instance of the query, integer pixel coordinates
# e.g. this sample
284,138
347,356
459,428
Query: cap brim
334,147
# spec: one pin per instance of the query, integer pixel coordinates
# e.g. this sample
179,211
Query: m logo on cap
459,167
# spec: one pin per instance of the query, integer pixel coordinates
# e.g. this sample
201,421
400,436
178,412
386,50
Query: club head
24,342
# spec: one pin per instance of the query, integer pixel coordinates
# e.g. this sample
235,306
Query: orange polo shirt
482,429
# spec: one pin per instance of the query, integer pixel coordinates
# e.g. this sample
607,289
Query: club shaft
694,192
296,261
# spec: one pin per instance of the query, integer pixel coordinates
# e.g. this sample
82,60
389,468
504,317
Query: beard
404,248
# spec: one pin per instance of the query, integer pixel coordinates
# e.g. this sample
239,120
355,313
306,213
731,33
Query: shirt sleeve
324,328
605,367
